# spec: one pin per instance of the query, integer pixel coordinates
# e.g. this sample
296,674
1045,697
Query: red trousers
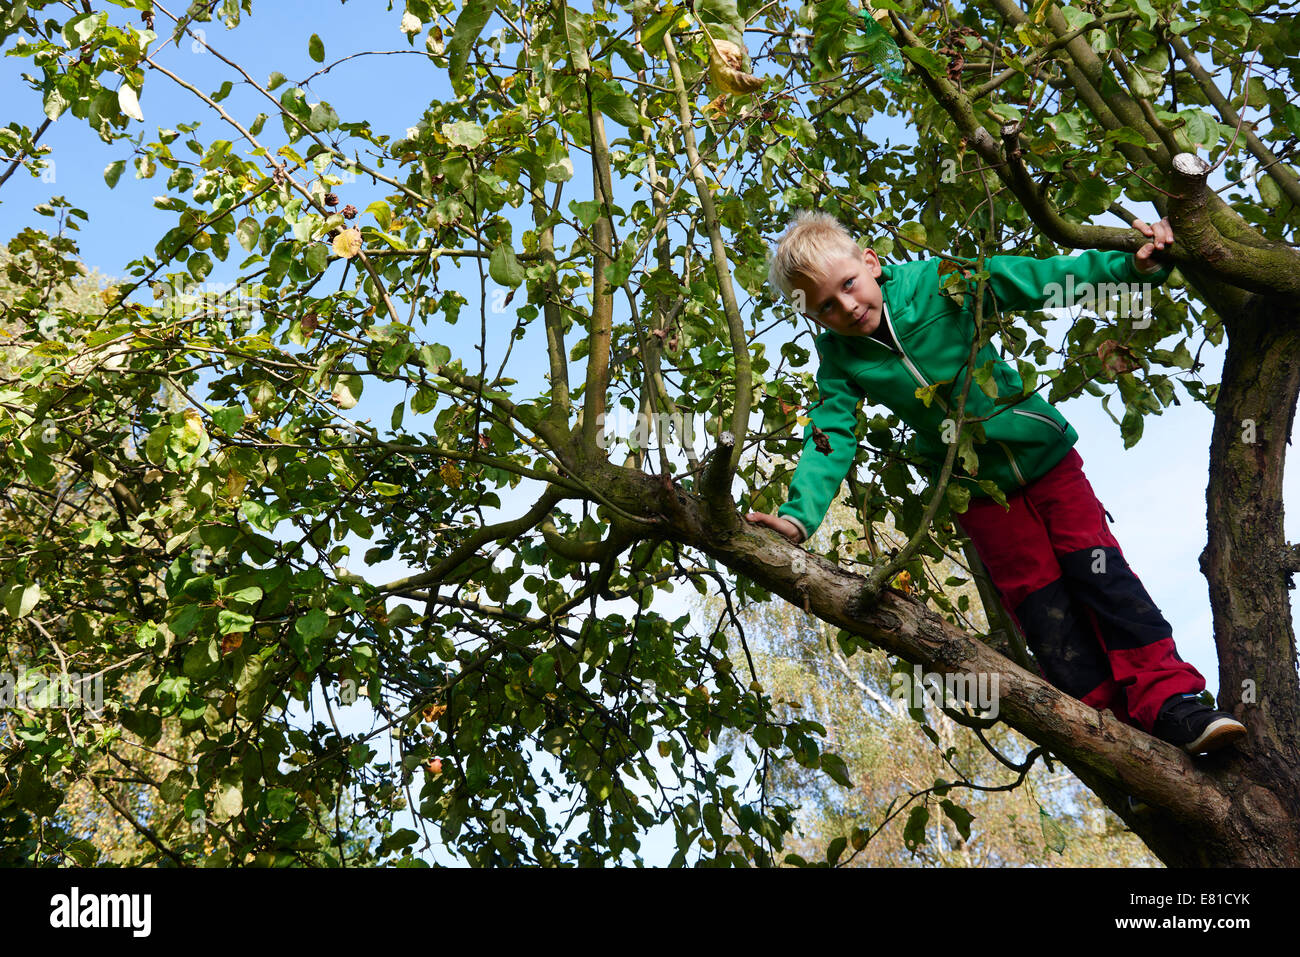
1092,626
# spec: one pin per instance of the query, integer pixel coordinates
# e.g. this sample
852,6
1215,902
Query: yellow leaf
347,243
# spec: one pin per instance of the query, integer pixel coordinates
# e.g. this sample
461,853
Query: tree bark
1246,559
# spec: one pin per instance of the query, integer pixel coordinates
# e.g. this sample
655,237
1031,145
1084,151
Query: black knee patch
1101,579
1062,639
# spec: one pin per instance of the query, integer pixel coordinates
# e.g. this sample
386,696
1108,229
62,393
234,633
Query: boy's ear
872,262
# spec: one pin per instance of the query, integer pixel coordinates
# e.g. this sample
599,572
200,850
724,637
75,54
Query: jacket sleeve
1024,282
818,476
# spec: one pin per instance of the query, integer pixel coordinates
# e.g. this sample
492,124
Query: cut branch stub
1190,171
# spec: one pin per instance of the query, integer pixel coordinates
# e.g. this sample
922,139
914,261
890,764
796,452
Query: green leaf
322,117
1092,196
835,849
1201,129
1147,11
55,102
80,28
543,671
575,37
959,816
983,377
21,599
587,211
312,624
113,172
1069,127
260,515
434,356
1269,193
229,419
914,831
199,265
1053,833
230,801
613,100
129,102
318,258
347,391
202,659
40,469
247,232
652,35
913,236
464,133
723,19
558,166
247,596
382,213
838,771
232,621
930,61
504,267
280,803
316,49
471,20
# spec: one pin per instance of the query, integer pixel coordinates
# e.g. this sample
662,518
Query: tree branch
1279,171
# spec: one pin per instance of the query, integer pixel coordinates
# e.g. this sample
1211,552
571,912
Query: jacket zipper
1038,415
907,360
916,374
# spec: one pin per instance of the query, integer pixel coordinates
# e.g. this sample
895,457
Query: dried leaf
727,68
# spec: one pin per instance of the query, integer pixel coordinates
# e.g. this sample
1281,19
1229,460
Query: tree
510,690
918,787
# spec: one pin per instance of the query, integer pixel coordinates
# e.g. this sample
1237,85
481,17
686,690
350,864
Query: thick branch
1272,269
721,265
602,295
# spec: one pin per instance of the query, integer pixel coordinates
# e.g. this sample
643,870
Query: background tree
522,707
121,807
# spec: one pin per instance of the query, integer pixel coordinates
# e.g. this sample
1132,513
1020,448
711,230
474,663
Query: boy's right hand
778,524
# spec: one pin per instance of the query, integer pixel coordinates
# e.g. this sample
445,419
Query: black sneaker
1186,720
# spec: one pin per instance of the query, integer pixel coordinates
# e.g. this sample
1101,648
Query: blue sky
1156,491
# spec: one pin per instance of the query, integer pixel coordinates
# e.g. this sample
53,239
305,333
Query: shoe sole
1218,734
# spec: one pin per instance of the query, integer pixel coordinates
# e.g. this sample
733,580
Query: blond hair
811,240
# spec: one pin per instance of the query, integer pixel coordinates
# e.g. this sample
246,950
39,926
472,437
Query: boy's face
848,300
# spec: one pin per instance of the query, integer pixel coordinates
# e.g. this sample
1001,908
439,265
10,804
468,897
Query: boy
1061,574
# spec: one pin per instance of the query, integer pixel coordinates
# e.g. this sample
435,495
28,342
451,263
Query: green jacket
1023,440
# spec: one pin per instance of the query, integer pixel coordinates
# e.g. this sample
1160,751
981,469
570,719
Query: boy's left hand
1161,236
